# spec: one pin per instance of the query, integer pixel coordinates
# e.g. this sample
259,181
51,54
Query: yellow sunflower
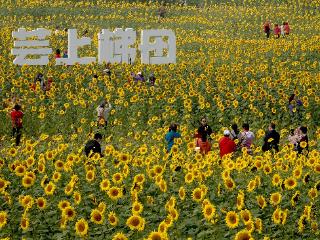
102,207
243,235
42,203
261,201
24,223
90,176
240,200
119,236
275,198
182,193
81,227
258,225
115,193
69,213
136,222
290,183
137,208
197,195
232,219
96,216
209,211
27,181
276,216
3,218
229,184
157,236
113,219
276,180
105,185
50,188
77,197
246,216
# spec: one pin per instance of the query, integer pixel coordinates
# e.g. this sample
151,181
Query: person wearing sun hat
226,145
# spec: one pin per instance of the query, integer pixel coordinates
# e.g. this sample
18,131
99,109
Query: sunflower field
226,70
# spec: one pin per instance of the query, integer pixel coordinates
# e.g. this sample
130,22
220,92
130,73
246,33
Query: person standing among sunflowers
271,139
16,118
161,12
203,136
267,28
171,135
246,138
226,144
303,143
94,146
103,112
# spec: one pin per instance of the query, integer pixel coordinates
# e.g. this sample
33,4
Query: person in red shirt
58,54
286,28
16,118
226,145
203,144
277,31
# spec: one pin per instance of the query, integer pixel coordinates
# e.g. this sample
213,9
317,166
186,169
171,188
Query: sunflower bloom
136,222
81,227
113,219
232,219
119,236
3,219
97,217
115,193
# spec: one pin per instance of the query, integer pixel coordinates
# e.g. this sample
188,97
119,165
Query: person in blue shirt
171,135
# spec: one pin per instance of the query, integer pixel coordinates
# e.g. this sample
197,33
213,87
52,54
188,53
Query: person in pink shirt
226,145
246,138
276,31
286,28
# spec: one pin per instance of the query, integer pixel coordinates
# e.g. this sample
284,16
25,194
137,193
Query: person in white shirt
103,112
282,30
